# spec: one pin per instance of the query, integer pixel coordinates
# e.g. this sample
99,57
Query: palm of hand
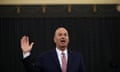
25,45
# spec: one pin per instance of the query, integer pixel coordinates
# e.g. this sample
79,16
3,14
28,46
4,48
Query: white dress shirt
59,55
25,55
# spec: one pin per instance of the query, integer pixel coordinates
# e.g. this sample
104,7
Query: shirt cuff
25,55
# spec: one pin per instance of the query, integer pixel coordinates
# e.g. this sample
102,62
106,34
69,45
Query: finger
22,41
27,39
31,45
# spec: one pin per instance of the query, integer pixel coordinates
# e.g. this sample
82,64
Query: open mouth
62,41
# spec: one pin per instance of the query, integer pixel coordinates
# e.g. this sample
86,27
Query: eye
65,34
59,34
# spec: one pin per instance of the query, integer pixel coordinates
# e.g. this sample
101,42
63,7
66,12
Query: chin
63,47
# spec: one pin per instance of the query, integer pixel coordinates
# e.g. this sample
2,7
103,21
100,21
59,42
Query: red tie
64,63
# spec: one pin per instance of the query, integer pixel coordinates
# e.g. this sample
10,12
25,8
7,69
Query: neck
62,48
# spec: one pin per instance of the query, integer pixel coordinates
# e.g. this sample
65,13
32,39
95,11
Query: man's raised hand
26,46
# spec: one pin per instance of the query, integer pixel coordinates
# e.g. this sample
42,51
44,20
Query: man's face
61,38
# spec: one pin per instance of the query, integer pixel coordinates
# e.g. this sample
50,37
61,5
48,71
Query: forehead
61,30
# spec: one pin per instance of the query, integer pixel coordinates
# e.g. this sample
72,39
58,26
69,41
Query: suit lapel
55,59
69,65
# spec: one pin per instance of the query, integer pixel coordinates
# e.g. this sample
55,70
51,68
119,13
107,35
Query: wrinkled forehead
61,30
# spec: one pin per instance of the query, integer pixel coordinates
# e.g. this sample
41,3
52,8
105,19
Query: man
60,59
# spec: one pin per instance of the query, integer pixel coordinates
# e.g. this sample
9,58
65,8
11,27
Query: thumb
31,45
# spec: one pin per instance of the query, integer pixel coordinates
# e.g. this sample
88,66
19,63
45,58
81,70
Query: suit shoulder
75,53
46,53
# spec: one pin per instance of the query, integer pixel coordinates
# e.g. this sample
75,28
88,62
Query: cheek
68,40
56,40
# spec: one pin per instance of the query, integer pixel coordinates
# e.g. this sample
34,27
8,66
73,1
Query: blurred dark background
95,34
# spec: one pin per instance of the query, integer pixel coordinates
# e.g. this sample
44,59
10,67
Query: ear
54,40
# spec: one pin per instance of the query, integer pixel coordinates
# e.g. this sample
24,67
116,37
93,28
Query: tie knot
62,53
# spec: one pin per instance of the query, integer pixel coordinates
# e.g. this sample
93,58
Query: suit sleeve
82,65
32,66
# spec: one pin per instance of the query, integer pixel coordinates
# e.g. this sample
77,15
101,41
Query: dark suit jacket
48,62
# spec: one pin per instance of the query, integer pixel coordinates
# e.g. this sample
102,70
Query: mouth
62,41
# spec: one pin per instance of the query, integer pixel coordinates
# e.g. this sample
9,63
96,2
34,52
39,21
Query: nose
62,36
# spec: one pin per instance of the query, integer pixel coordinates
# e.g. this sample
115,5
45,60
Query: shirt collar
59,51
